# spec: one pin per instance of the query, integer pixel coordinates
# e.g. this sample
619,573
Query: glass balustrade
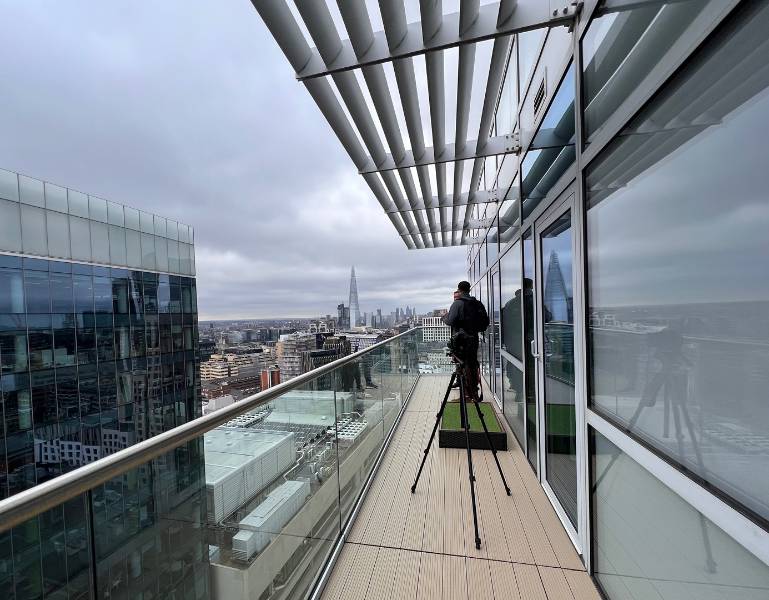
252,508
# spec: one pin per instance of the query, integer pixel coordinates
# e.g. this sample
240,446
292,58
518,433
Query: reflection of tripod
672,381
459,375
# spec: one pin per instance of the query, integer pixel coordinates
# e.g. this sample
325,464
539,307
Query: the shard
353,303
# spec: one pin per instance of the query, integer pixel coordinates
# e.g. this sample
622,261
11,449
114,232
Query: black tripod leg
463,410
435,428
491,445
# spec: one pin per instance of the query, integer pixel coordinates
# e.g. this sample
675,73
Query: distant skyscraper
556,294
354,307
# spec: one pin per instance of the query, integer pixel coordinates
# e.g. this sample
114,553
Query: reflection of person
668,349
467,317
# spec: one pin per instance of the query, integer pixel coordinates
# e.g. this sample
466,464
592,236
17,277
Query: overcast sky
189,109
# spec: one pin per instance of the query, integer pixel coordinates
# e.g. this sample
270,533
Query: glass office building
98,351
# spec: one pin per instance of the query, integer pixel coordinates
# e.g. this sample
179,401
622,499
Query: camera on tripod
459,346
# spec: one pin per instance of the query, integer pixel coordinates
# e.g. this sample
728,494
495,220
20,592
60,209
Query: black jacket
457,317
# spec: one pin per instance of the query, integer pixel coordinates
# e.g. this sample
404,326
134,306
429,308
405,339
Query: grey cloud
190,110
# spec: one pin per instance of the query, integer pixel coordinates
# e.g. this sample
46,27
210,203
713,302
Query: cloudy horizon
192,112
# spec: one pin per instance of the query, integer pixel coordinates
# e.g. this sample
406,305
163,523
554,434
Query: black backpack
475,317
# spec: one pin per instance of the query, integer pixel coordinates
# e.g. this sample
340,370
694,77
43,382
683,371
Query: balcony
299,490
422,546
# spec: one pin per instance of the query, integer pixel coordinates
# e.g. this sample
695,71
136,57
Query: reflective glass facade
93,359
632,289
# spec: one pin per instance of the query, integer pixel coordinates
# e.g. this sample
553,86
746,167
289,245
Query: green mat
451,417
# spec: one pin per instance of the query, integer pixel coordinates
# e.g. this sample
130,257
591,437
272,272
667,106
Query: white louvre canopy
348,79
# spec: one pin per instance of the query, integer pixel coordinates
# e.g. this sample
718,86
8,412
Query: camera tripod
459,377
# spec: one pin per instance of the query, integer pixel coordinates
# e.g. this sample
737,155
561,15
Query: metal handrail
29,503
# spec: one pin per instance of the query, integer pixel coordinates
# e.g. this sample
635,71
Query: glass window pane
133,248
97,209
172,229
99,242
132,218
62,298
58,234
650,543
10,226
115,214
160,226
11,291
512,299
512,381
161,253
148,251
56,198
78,203
37,292
558,363
147,222
552,150
31,191
184,233
80,238
624,44
34,236
117,245
507,109
678,276
9,185
529,44
173,256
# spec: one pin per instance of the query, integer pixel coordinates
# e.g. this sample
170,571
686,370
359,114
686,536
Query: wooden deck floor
422,545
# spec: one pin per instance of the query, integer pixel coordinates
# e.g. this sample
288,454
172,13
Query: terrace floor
422,545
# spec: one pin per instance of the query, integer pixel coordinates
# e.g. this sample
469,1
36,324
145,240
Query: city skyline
189,149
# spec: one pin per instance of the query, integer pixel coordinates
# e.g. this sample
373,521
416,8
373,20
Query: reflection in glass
623,45
558,360
678,283
552,150
649,542
10,226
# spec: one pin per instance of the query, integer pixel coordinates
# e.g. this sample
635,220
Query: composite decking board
384,487
503,581
430,577
478,579
454,578
406,577
565,553
529,582
341,572
517,543
381,583
555,584
520,557
394,500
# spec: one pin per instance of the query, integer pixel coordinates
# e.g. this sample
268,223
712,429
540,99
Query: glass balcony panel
31,191
78,203
10,226
56,198
34,236
9,185
252,505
